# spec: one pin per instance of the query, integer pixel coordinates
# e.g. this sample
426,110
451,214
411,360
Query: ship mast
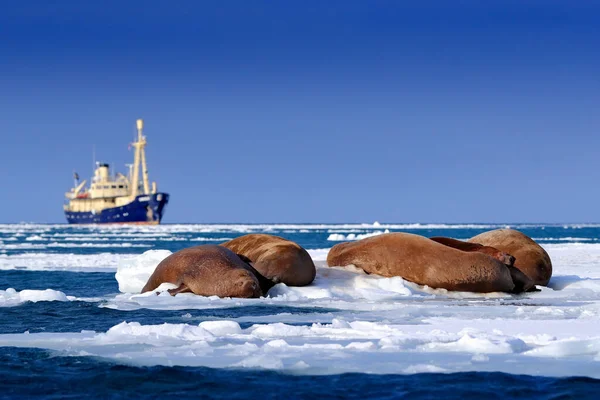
139,158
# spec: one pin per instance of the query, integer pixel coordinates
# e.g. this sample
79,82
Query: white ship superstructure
118,198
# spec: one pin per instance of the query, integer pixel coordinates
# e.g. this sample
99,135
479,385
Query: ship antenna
142,141
139,158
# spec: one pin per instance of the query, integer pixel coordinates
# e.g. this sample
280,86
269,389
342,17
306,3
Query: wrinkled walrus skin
275,258
425,262
530,257
208,270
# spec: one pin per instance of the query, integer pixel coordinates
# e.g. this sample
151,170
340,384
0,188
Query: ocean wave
338,237
203,239
564,239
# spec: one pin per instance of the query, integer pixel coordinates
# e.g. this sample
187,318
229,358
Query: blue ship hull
145,209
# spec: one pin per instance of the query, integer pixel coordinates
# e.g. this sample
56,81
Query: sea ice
133,272
10,297
346,321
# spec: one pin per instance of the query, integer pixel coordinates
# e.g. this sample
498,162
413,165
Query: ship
119,198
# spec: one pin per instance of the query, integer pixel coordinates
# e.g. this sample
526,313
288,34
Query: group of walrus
502,260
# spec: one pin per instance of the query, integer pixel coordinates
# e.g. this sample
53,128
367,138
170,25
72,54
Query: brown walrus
426,262
530,257
275,258
207,270
522,282
468,246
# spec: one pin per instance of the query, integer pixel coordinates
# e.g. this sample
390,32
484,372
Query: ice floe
341,346
346,321
100,262
11,297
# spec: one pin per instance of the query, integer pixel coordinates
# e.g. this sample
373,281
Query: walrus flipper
522,282
183,288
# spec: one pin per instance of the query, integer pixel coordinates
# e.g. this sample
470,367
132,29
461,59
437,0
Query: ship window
113,186
121,186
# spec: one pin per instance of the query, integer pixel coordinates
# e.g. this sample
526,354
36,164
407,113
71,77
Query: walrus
275,258
468,246
530,257
426,262
522,282
207,270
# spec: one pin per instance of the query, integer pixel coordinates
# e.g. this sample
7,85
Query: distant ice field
73,291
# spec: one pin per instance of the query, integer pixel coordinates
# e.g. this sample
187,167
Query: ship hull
145,209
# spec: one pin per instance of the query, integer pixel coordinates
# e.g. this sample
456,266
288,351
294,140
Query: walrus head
264,283
244,284
501,256
506,258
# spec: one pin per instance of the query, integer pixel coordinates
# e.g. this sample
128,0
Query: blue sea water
39,257
34,373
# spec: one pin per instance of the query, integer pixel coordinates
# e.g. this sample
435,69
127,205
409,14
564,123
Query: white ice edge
435,345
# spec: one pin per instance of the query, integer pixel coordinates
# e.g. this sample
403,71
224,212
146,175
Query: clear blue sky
308,111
